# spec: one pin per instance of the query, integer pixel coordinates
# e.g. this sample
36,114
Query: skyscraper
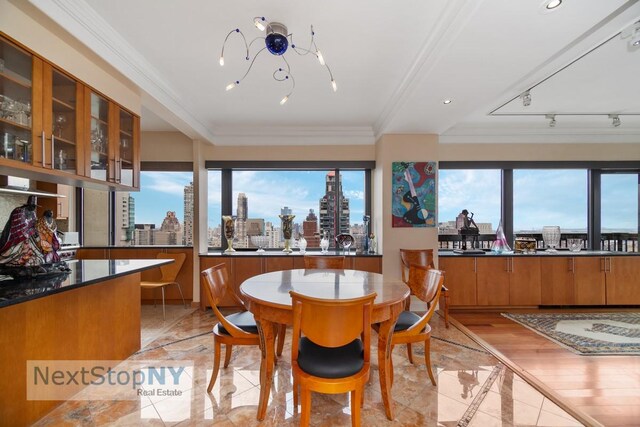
125,219
334,208
241,222
187,238
170,232
310,230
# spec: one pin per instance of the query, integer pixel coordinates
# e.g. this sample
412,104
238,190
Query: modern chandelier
276,42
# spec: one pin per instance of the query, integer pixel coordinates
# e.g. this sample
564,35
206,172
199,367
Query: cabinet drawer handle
603,264
475,265
43,149
572,265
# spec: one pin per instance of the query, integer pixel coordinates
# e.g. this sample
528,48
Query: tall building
125,219
241,221
310,230
187,238
334,208
143,234
170,232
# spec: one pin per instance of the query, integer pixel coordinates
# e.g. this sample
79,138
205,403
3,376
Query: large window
596,201
549,197
324,200
477,191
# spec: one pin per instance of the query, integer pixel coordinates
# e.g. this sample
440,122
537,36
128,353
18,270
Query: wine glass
260,242
61,121
551,237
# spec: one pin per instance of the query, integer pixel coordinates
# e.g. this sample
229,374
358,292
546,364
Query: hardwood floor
605,388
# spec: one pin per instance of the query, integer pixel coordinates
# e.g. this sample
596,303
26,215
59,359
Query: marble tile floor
152,323
474,389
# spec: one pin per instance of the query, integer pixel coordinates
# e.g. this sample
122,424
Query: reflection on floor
154,326
474,389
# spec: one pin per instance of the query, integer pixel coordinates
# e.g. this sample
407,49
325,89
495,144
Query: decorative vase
551,237
302,244
500,245
345,240
365,241
229,231
324,243
287,229
373,244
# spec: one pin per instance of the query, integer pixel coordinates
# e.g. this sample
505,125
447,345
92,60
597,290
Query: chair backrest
324,261
216,281
426,284
331,322
170,271
408,257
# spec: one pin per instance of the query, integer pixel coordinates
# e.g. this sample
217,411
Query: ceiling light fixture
552,120
553,4
615,120
526,98
635,35
446,102
277,42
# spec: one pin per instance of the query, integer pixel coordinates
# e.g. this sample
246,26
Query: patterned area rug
587,333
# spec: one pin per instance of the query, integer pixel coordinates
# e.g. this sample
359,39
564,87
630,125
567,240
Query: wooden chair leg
216,364
227,355
282,331
356,400
445,293
427,359
409,353
305,410
164,314
391,366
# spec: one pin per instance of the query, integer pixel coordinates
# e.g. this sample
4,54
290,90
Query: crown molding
560,136
448,26
81,21
289,135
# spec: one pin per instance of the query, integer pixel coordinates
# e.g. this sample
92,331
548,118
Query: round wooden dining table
267,297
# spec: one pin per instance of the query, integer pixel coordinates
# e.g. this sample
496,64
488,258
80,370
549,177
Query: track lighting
635,35
552,120
615,120
526,98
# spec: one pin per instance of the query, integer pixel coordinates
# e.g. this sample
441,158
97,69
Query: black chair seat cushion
327,362
243,320
406,320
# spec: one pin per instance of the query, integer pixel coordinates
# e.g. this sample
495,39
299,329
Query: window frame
227,167
595,170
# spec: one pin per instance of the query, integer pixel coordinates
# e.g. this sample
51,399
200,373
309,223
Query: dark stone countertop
83,273
540,253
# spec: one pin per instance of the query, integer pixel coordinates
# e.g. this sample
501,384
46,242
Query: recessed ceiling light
446,101
553,4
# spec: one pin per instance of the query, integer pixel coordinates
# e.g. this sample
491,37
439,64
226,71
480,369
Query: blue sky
541,197
267,192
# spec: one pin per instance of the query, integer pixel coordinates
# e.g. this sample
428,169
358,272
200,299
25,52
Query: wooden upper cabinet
20,105
50,120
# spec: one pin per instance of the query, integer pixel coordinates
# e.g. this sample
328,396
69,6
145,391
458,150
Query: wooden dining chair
324,261
422,257
235,329
330,351
169,275
426,284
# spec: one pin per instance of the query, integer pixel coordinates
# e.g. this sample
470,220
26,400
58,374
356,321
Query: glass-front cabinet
16,103
126,171
62,121
99,127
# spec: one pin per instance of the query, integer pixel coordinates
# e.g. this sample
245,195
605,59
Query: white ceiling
394,63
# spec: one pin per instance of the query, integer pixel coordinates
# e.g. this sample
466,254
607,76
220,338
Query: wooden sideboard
530,280
244,265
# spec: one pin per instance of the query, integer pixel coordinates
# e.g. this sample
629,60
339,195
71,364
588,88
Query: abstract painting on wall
414,194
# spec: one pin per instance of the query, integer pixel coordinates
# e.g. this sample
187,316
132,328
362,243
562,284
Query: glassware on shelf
61,121
500,245
574,245
302,244
551,237
345,240
260,241
324,243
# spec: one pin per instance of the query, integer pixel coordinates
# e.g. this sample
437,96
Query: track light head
552,120
526,98
615,120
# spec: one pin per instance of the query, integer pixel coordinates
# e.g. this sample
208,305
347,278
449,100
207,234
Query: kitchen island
93,313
